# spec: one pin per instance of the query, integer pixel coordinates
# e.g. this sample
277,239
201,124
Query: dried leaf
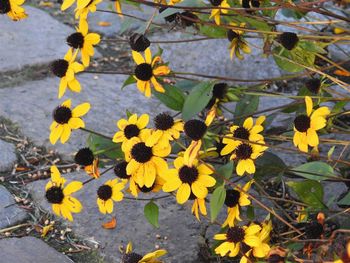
343,73
104,23
46,4
111,224
46,229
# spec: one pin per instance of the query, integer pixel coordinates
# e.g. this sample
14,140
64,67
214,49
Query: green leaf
217,201
246,106
186,85
345,200
257,24
225,171
151,212
250,213
270,165
197,99
315,171
279,53
213,31
173,97
99,144
311,46
309,192
130,80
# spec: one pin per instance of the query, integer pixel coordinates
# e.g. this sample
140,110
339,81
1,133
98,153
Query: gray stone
29,250
7,156
10,213
108,104
212,57
39,39
176,223
116,21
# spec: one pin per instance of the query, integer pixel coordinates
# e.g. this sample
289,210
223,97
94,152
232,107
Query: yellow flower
82,13
66,119
84,41
238,43
186,179
80,4
133,127
63,204
154,188
107,193
249,131
118,7
66,69
235,198
132,257
305,126
263,250
147,70
217,11
167,129
234,239
145,158
198,206
85,157
13,9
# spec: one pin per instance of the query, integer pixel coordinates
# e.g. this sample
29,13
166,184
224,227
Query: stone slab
7,156
176,223
109,103
9,214
212,57
39,39
29,250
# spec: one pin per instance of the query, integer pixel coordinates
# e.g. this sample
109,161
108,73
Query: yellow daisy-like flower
235,199
13,9
68,3
186,179
305,126
154,188
132,257
82,13
85,42
109,192
235,238
237,42
145,158
133,127
249,131
63,204
85,157
198,206
66,120
263,250
167,129
147,70
66,69
216,12
245,154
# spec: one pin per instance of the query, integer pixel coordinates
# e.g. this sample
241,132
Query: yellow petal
55,134
308,102
148,55
72,187
65,133
137,57
81,109
183,193
76,123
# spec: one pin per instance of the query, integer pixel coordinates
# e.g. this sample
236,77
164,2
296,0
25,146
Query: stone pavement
29,250
7,157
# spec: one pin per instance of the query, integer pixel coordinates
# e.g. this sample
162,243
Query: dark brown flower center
84,157
302,123
5,6
62,114
141,153
235,234
104,192
288,40
244,151
145,189
144,71
131,130
120,170
186,18
188,174
231,35
59,67
241,133
139,42
232,197
76,40
54,195
313,85
163,121
195,129
216,2
220,90
131,258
